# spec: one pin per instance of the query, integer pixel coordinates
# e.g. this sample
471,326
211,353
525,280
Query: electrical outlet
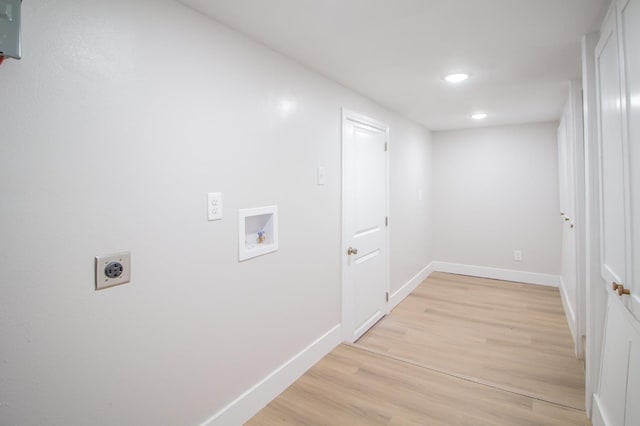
214,205
517,255
113,269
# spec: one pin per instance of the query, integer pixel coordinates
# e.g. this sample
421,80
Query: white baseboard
597,419
253,400
406,289
498,274
569,313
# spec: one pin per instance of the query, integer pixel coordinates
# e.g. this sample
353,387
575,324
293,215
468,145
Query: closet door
629,33
567,182
612,164
629,23
618,80
610,401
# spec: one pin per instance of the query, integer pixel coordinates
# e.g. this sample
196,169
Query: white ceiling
521,53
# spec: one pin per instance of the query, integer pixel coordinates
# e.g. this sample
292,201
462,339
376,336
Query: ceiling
521,53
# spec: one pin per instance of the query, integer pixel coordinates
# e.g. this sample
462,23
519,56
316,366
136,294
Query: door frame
348,302
577,121
595,295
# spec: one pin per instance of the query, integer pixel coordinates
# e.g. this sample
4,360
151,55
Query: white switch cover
420,195
214,205
321,175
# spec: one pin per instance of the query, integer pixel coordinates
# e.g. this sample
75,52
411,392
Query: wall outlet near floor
517,255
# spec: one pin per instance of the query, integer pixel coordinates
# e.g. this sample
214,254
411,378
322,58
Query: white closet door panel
630,32
632,414
612,160
615,365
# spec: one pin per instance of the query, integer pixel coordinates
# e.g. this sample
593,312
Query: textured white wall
496,191
119,119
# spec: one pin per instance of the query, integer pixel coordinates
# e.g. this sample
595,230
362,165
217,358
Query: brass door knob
620,289
351,251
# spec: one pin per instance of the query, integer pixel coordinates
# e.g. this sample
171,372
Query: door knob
351,251
622,290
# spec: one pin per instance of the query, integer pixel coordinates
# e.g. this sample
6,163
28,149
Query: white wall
119,119
496,191
410,198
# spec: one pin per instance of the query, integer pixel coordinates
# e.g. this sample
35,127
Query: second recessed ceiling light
457,77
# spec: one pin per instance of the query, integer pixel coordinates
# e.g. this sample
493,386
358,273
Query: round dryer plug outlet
112,270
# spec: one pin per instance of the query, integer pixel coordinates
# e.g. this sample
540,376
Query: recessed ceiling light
456,77
479,116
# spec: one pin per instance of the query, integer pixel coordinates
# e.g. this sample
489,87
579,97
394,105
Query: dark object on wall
10,29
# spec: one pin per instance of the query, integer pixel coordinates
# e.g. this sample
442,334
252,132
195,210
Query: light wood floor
458,350
511,335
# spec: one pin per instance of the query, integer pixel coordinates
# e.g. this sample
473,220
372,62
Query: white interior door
612,163
365,276
630,35
610,399
617,67
617,400
566,158
629,24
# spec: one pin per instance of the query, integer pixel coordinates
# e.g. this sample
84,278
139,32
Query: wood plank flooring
459,350
510,335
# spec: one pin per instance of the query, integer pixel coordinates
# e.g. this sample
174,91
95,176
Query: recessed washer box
258,231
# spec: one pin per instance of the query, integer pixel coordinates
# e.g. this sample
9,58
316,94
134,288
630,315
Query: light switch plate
321,175
10,28
113,269
214,205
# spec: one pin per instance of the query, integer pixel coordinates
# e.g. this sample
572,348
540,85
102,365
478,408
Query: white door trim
577,114
347,297
595,296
